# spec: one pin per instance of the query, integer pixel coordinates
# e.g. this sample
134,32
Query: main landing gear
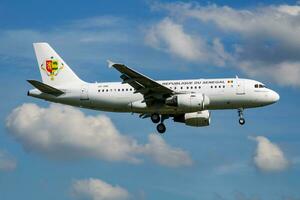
155,118
241,118
161,128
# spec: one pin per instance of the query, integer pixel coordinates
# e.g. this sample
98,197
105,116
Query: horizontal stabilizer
45,88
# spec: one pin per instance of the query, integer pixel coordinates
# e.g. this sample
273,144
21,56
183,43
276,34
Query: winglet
110,63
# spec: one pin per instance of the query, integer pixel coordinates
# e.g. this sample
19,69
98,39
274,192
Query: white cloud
63,132
96,189
98,22
285,73
166,155
269,157
230,168
268,44
88,39
291,10
171,37
265,38
263,21
7,162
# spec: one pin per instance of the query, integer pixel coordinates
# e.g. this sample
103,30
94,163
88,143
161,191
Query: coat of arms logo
52,67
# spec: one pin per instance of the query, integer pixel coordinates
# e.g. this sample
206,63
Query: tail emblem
52,68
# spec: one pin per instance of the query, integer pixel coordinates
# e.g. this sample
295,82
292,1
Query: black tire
161,128
155,118
242,121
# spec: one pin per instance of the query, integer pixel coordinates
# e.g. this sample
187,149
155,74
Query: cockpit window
259,86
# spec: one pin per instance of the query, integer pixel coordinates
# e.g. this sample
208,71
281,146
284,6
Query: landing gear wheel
242,121
241,118
155,118
161,128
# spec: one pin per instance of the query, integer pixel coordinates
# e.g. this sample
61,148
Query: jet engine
200,118
189,102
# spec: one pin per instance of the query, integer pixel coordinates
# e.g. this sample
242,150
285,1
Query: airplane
186,101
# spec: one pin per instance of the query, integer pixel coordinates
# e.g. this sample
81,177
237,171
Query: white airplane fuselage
186,101
229,93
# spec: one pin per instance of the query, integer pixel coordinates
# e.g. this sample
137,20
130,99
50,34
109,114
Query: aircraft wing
151,89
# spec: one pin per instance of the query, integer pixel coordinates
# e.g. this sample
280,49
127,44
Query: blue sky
165,40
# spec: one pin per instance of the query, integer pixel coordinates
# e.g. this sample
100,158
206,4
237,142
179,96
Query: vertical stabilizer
54,71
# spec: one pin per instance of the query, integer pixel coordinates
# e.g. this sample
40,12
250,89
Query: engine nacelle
189,102
200,118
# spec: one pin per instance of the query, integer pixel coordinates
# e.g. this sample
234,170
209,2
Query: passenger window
211,86
256,86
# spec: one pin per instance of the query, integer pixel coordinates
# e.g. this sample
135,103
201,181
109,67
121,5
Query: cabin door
240,86
84,94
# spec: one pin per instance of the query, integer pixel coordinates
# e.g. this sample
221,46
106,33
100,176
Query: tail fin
54,70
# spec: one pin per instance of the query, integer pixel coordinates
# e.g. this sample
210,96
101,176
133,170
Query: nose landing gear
241,118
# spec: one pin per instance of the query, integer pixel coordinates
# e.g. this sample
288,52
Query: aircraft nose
275,96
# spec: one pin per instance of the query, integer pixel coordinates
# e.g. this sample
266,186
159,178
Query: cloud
237,195
64,132
98,22
269,157
166,155
171,37
230,168
96,189
7,162
284,73
268,44
212,35
291,10
88,39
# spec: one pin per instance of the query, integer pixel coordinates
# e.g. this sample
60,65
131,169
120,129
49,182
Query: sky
50,151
